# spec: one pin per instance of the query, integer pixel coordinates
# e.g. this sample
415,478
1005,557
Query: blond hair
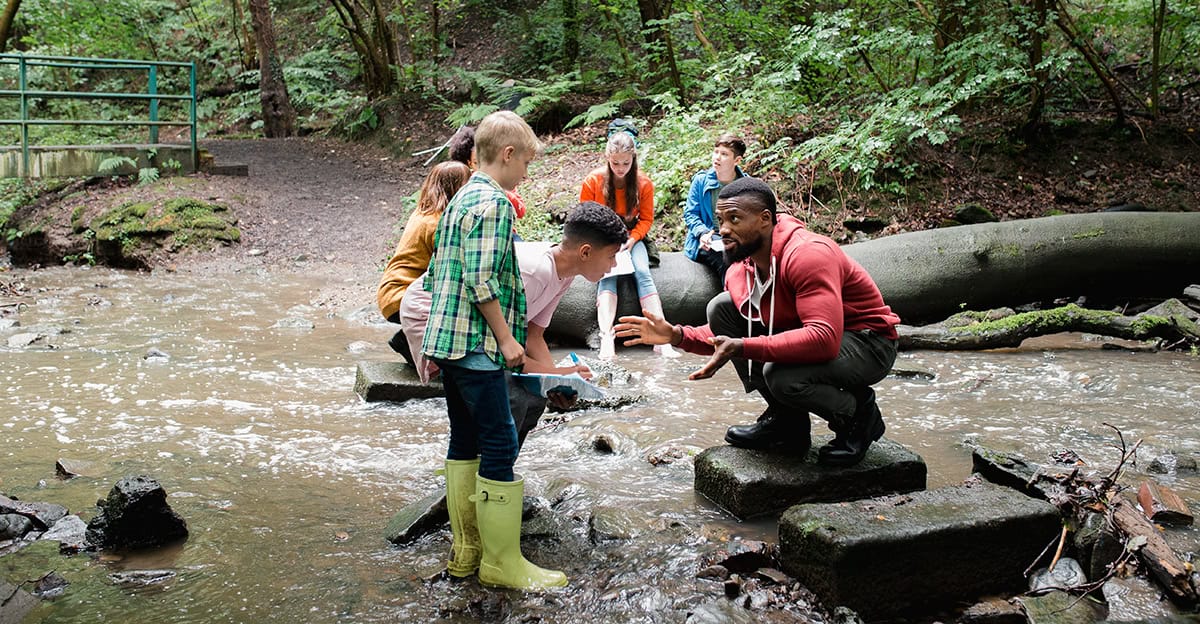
502,129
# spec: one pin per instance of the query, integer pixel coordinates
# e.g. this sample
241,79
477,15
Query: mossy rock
124,220
77,223
229,235
124,233
209,222
190,208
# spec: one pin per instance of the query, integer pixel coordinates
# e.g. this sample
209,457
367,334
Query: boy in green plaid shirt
476,330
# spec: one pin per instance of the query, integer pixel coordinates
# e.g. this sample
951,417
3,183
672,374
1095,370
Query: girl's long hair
440,185
621,143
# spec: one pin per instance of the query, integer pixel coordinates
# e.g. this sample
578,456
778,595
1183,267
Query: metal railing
24,62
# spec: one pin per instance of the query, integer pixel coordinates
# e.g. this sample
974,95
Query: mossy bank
135,234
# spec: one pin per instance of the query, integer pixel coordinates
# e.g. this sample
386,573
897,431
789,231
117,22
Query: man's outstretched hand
725,349
652,330
649,330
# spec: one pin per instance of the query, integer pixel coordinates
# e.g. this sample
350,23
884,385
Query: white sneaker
666,350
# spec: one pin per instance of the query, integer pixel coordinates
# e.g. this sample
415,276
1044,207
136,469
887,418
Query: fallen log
1164,565
930,275
1171,321
927,276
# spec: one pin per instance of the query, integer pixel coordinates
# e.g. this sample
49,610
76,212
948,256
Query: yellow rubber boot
460,486
498,510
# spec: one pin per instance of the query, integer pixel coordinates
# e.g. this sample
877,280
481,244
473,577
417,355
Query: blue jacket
699,216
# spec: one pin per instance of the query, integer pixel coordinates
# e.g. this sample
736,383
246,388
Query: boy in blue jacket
703,243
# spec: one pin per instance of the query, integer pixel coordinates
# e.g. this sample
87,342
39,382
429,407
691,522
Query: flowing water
287,479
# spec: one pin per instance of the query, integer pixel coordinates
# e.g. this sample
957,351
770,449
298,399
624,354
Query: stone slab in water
750,483
418,518
392,381
15,603
913,554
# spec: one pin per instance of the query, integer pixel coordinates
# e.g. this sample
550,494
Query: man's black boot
772,432
851,440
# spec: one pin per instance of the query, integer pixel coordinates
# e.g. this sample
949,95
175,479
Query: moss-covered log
1171,321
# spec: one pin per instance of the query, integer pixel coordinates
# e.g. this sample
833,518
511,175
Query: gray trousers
526,408
827,389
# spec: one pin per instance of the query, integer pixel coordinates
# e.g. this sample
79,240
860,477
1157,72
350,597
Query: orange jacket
639,224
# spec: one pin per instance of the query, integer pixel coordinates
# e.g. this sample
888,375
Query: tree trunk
616,26
1035,38
1171,321
570,49
6,22
372,53
659,37
1085,49
700,36
279,118
947,24
929,275
1160,16
384,35
244,37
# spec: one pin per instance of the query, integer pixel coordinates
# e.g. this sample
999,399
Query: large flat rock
753,483
914,553
392,381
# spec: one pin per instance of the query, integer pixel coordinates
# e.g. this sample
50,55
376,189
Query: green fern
470,114
114,163
147,175
594,113
489,92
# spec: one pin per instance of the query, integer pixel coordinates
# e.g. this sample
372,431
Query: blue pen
575,358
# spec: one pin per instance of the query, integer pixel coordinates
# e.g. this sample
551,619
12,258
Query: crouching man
803,323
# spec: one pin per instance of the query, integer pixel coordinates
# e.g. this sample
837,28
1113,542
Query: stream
287,479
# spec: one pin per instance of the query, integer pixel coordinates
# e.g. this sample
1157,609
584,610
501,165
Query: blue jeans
481,423
641,272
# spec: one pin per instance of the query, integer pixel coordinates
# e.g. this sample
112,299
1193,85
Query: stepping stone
913,554
230,169
750,483
392,381
418,518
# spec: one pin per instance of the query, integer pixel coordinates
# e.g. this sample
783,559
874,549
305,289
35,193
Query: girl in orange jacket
629,193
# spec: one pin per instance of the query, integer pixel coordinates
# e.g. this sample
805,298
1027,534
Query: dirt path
314,206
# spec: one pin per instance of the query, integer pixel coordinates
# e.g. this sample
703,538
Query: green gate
152,96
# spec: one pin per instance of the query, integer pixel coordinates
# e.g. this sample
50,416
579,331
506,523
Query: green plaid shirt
474,261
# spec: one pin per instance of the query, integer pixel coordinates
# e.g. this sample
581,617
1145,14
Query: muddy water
287,479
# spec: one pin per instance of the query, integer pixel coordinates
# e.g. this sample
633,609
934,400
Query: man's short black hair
594,223
753,187
461,145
